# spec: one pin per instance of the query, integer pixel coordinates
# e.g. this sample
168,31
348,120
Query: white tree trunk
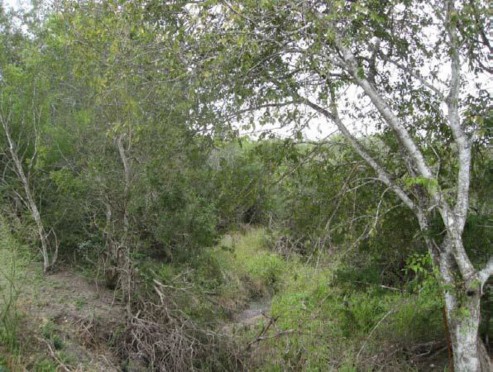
469,351
462,305
31,203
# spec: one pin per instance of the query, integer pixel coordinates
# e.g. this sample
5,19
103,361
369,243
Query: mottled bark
462,305
48,261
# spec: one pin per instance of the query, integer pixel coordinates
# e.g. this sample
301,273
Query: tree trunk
463,310
468,349
31,203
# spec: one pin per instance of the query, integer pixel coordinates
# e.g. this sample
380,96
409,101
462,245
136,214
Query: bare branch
126,170
260,107
359,148
416,75
31,202
460,137
383,108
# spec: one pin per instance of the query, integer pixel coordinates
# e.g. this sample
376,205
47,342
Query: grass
14,260
258,271
241,269
80,303
13,270
31,308
323,323
223,279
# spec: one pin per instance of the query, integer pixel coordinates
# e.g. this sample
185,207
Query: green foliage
330,317
417,319
267,268
193,221
13,269
208,272
49,331
478,235
425,277
251,260
241,184
429,184
45,365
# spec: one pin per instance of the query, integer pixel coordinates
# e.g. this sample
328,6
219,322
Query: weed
45,365
13,262
3,365
80,303
57,342
48,329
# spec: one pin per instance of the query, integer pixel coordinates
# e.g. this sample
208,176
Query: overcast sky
16,3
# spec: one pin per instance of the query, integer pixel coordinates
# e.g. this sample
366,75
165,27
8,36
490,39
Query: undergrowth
320,318
13,263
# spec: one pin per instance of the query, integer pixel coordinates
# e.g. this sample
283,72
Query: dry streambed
254,313
71,321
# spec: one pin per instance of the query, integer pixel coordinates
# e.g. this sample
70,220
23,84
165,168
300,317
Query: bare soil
71,321
255,312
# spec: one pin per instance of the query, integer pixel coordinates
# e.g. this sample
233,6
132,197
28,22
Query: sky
16,4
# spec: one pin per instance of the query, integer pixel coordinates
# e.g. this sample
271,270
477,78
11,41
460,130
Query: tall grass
321,317
13,261
323,321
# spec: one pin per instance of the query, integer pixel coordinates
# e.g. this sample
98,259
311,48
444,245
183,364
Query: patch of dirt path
253,313
73,320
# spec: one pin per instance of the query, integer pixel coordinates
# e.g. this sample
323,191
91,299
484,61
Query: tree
416,68
120,163
22,114
49,258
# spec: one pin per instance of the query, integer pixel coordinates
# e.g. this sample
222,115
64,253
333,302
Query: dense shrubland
142,183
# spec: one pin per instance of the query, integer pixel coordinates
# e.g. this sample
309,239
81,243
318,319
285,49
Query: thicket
137,186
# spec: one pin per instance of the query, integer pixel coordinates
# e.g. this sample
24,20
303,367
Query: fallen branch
261,335
54,356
